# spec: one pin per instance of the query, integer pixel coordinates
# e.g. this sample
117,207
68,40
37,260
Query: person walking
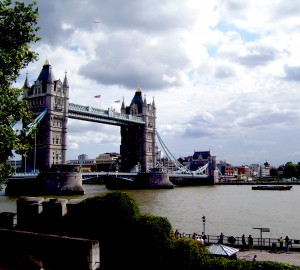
280,239
287,243
221,238
203,237
250,241
244,241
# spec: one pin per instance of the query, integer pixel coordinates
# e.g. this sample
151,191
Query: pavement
292,257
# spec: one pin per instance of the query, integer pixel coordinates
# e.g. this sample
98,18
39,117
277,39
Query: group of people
250,241
286,241
199,237
202,237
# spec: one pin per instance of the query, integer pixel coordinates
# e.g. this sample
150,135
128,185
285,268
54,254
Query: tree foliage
290,170
18,27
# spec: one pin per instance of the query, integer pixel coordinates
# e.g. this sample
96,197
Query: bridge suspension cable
36,121
181,169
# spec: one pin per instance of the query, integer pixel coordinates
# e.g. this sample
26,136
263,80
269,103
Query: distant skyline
224,75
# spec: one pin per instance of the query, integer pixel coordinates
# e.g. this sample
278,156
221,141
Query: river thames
231,209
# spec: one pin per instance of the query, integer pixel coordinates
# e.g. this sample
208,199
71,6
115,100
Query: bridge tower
138,141
50,143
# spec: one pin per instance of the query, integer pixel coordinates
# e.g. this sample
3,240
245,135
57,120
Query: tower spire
26,83
47,63
66,83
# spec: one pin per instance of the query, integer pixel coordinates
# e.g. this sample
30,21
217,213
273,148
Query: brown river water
233,210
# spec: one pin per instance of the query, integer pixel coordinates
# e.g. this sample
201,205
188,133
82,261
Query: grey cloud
197,132
115,15
251,113
224,72
292,73
235,8
255,56
241,114
267,119
286,9
130,60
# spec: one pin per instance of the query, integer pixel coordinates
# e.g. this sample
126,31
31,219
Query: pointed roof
46,74
123,104
66,83
26,83
222,250
153,104
138,100
47,63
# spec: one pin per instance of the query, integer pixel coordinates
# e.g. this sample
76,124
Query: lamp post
203,220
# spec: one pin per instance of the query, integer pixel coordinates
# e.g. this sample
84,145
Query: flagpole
98,96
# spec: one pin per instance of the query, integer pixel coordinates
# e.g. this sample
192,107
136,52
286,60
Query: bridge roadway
124,174
176,179
93,175
110,116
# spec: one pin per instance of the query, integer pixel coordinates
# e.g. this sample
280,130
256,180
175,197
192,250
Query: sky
224,75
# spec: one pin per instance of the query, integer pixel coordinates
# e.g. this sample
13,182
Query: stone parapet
28,250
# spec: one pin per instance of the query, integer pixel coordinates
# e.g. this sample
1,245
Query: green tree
290,170
274,172
17,31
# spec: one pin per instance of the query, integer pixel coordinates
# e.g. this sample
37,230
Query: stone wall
23,244
28,250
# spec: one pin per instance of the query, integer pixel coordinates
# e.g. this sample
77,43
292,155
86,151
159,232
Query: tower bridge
51,97
48,98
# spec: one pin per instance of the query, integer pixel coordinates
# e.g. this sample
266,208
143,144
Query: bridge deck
111,117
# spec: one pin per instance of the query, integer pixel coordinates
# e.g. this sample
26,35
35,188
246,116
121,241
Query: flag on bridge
117,101
98,96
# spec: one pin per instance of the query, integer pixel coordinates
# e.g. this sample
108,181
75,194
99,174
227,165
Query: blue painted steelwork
180,168
34,124
111,117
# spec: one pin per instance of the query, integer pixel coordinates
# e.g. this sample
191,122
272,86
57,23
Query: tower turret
50,144
138,141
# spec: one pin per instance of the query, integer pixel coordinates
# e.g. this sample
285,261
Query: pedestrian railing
258,243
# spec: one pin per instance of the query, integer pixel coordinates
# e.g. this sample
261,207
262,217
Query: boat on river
278,187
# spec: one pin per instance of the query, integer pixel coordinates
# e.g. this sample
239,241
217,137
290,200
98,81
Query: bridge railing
88,111
23,174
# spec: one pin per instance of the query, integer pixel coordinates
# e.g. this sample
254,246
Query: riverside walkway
266,244
268,251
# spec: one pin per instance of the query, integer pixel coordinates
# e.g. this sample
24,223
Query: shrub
153,239
188,254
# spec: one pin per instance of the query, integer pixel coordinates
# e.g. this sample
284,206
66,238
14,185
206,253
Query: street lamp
203,220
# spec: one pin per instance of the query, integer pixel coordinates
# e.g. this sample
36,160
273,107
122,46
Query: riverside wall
24,245
29,250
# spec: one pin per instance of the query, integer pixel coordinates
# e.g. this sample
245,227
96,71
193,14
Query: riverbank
236,182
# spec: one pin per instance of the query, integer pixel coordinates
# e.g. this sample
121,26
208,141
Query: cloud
292,73
223,74
251,56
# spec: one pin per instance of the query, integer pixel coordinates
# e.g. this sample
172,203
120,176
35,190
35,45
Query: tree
274,172
290,170
17,31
